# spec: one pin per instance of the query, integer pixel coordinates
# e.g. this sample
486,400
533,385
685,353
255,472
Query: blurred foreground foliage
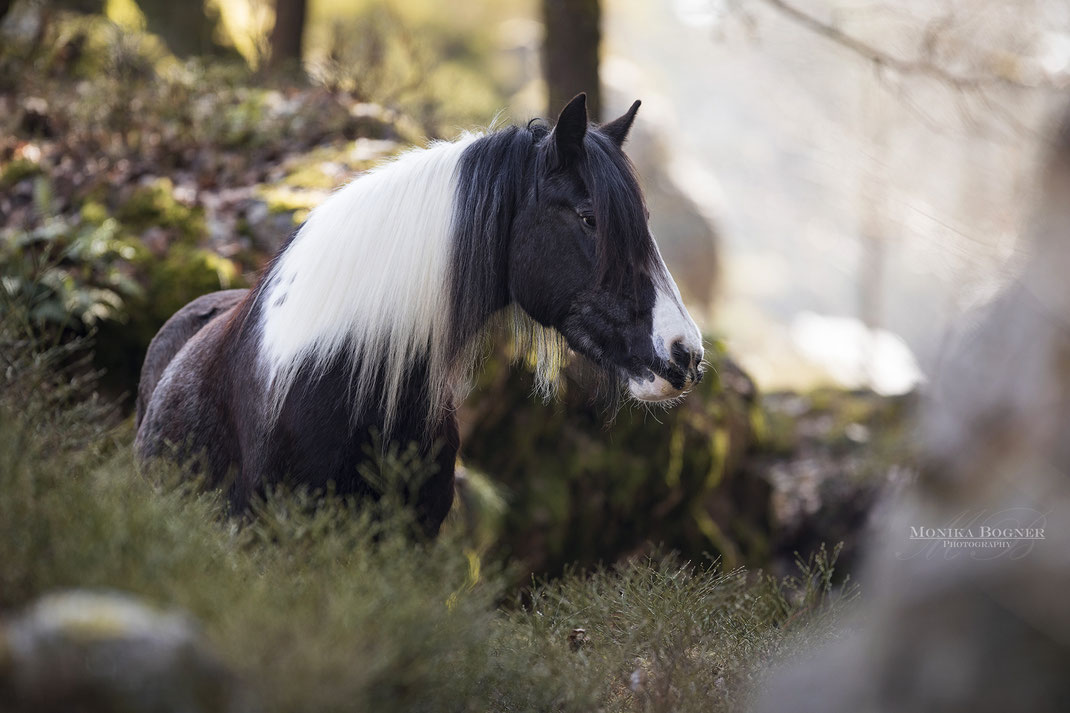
319,606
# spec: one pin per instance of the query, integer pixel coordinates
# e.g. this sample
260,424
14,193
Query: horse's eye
588,220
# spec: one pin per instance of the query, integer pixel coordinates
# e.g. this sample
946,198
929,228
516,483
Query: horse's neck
385,274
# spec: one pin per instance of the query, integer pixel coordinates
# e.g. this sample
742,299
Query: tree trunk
85,7
188,28
287,34
570,53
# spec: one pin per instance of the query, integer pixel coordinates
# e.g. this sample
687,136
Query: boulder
106,652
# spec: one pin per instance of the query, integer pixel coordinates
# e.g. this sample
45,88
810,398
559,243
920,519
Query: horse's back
174,334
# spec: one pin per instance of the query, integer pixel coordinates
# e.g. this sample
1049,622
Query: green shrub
17,170
153,205
321,606
68,273
89,272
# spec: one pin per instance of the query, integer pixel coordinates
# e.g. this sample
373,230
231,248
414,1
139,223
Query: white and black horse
365,321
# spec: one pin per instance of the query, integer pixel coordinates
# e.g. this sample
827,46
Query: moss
17,170
322,168
574,478
184,273
311,174
778,432
284,199
153,205
94,212
241,121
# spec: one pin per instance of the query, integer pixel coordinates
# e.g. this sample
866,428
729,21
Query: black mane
494,175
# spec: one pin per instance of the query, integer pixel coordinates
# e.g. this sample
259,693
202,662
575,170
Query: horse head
582,260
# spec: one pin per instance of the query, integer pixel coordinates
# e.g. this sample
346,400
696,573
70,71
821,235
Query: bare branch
882,59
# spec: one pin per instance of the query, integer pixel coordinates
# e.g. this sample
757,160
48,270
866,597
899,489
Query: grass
322,606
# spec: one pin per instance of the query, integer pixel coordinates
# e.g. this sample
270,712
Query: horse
367,322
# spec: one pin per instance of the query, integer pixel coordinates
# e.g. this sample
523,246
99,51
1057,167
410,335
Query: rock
977,621
831,457
583,484
106,652
577,639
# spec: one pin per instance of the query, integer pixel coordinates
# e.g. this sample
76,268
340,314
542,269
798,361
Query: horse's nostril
681,354
687,359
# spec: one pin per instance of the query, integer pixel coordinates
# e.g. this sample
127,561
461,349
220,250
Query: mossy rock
830,455
582,487
141,658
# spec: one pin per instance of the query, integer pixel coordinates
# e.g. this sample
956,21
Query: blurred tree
288,33
40,15
570,53
188,28
85,7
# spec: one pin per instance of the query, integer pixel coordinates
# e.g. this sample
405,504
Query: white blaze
672,324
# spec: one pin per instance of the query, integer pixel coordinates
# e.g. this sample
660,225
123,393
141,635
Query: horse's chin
654,390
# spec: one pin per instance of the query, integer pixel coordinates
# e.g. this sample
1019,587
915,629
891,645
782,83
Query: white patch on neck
368,273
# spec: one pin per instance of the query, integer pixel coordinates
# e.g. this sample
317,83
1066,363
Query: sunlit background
859,208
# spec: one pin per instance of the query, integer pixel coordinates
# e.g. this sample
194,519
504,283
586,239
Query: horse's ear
618,129
571,128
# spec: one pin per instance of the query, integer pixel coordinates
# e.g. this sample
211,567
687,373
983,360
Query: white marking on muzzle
671,324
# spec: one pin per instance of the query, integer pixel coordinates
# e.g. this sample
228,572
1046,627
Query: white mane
368,272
